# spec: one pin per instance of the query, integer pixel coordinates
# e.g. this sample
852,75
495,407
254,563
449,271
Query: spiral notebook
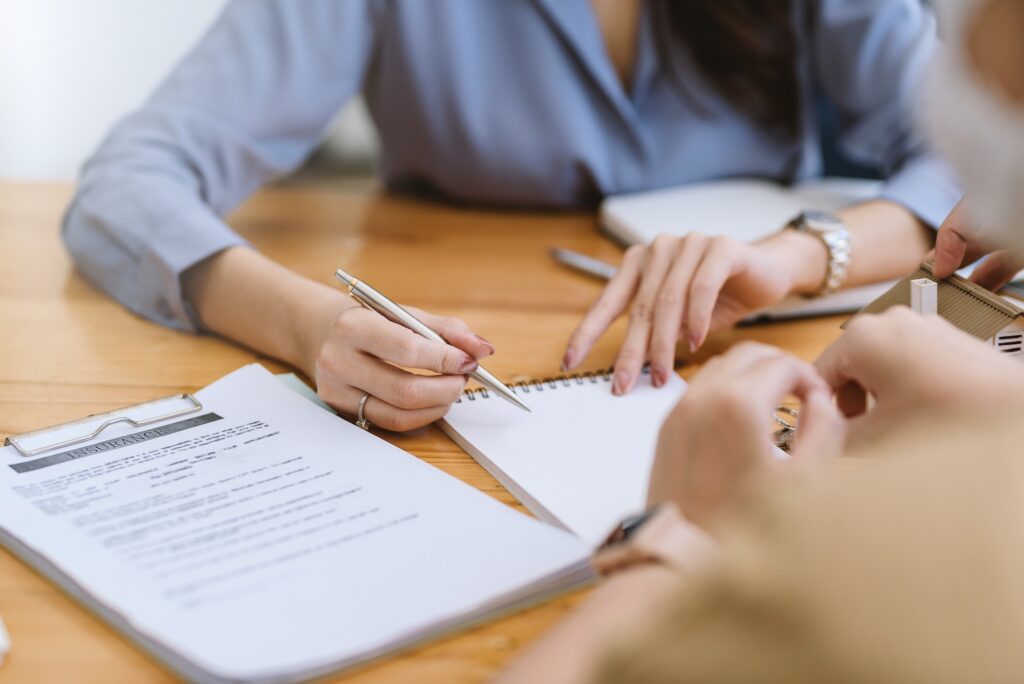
582,457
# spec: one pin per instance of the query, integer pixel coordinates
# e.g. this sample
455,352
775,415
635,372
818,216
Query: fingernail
694,344
483,341
658,377
620,383
569,360
468,365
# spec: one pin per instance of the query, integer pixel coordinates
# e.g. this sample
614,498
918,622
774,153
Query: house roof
966,305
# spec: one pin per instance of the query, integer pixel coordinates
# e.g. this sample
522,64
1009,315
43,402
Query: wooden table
66,350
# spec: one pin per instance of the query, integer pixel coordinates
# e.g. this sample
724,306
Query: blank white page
581,459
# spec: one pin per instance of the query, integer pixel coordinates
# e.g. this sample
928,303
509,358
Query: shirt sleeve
869,59
249,103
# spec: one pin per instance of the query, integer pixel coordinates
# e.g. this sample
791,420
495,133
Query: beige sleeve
906,568
730,625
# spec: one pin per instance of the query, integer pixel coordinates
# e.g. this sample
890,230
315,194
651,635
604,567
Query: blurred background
92,61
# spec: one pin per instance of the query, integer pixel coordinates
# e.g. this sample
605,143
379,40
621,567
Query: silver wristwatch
832,231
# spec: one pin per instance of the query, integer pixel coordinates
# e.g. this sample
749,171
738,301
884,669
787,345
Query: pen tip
520,403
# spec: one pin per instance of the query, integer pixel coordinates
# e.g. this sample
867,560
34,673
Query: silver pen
582,262
371,299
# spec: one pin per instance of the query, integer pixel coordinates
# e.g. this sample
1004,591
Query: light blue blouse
503,102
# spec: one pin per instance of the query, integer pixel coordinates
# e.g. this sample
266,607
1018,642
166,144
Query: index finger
403,347
456,333
612,302
950,252
955,244
997,270
780,376
855,365
715,269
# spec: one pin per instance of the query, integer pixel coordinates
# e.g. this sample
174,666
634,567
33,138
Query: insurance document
260,538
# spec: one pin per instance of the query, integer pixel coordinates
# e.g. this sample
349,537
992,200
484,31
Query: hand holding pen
362,357
354,352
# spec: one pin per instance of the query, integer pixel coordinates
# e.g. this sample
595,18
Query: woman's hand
720,432
348,350
688,287
358,351
961,242
915,366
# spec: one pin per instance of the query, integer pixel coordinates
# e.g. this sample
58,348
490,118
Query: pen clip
351,283
362,302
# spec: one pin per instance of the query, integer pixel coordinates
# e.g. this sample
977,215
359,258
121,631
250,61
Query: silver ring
361,420
785,424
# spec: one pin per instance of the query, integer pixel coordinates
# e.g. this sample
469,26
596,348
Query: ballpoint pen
372,299
584,263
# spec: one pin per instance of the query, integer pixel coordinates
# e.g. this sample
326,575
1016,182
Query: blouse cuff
184,240
927,187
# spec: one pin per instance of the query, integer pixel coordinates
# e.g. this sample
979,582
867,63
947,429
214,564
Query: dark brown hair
747,49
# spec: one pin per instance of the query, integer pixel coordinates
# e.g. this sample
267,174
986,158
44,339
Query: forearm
573,651
248,298
886,241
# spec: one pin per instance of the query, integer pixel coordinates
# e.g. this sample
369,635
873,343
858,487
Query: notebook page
267,540
581,459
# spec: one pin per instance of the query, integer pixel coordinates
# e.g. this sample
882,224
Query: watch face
821,220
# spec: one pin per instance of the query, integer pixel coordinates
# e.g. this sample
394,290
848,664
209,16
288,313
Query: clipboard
83,430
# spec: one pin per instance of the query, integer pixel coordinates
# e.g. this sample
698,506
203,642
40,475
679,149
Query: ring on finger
783,437
361,420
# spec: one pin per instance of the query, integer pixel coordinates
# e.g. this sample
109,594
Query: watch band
660,535
834,235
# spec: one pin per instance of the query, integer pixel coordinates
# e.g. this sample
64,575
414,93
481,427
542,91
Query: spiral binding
546,384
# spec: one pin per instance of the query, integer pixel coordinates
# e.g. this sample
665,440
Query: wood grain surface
67,350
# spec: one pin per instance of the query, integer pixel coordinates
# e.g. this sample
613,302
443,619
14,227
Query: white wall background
70,68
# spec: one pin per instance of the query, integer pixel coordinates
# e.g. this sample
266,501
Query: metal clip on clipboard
24,443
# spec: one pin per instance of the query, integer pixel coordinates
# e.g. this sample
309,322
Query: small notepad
581,459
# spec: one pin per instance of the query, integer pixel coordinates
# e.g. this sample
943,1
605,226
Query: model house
969,307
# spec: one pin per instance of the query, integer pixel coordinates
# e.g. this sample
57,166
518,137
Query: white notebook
581,459
262,539
746,210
